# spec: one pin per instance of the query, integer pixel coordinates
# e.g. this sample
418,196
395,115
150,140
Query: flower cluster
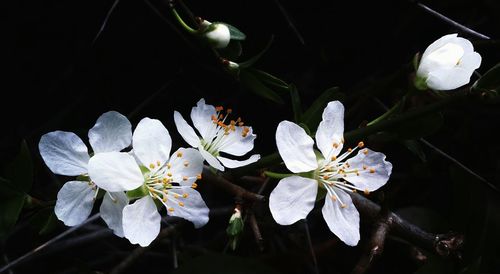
136,174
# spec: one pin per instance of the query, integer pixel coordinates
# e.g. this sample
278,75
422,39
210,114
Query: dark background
142,65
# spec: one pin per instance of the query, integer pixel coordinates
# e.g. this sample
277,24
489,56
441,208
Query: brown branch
256,230
445,245
236,190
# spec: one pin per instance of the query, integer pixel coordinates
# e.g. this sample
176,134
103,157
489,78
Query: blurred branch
450,21
236,190
28,255
445,245
138,252
290,22
105,22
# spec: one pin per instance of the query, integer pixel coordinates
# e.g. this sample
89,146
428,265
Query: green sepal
138,192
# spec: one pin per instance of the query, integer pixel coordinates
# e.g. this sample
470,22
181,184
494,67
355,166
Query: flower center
165,184
332,173
448,55
223,134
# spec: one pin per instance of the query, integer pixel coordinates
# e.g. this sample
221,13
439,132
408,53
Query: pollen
181,204
334,198
169,165
372,170
194,185
366,191
185,195
364,167
158,163
325,177
335,145
171,209
164,180
164,199
179,154
176,196
334,158
169,174
151,165
185,178
198,177
361,144
349,150
365,151
343,206
186,163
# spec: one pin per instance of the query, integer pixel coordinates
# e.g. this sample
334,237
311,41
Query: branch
236,190
445,245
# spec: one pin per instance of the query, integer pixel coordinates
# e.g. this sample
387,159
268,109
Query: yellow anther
198,177
365,167
194,185
343,206
354,191
169,174
164,199
366,191
372,170
365,151
158,163
357,173
186,163
151,165
334,158
164,180
334,198
335,145
171,209
185,195
325,177
361,144
221,116
349,150
185,178
181,204
176,196
342,140
179,154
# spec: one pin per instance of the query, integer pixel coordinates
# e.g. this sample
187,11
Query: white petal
230,163
448,79
465,44
363,163
112,211
470,61
292,199
201,115
152,142
211,160
115,171
185,168
343,222
295,147
111,132
185,130
236,144
439,43
194,208
331,130
141,221
74,202
64,153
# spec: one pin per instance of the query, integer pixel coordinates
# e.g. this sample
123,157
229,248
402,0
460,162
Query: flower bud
447,64
217,34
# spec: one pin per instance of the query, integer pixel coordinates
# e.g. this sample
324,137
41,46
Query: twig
311,249
290,22
138,252
256,230
48,243
451,22
375,246
446,245
105,22
236,190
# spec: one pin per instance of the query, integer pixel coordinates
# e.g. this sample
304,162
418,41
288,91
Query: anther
334,158
365,151
372,170
325,177
169,165
365,167
198,177
185,178
171,209
349,150
181,204
219,108
151,165
334,198
194,185
186,163
169,174
366,191
176,196
185,195
335,145
361,144
228,111
158,163
343,206
179,154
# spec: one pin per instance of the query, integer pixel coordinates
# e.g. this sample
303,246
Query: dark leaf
232,51
415,147
20,171
312,116
254,85
419,127
11,204
269,79
490,82
254,59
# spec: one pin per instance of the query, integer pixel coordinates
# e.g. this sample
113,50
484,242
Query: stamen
361,144
334,158
198,177
335,145
365,151
176,196
169,165
171,209
366,191
185,195
343,206
181,204
179,154
372,170
151,166
185,178
194,185
186,163
158,163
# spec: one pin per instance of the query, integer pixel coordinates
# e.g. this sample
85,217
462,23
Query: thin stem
311,249
386,114
183,24
277,175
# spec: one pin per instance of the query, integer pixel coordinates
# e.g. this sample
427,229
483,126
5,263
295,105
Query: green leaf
419,127
256,86
212,263
415,147
20,171
232,51
269,79
11,204
44,220
235,33
296,105
235,227
312,115
489,82
254,59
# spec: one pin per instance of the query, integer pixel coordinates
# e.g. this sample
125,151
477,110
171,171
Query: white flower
294,197
66,154
170,180
447,64
217,34
233,138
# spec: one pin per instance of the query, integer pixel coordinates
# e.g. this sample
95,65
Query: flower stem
183,24
386,114
277,175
